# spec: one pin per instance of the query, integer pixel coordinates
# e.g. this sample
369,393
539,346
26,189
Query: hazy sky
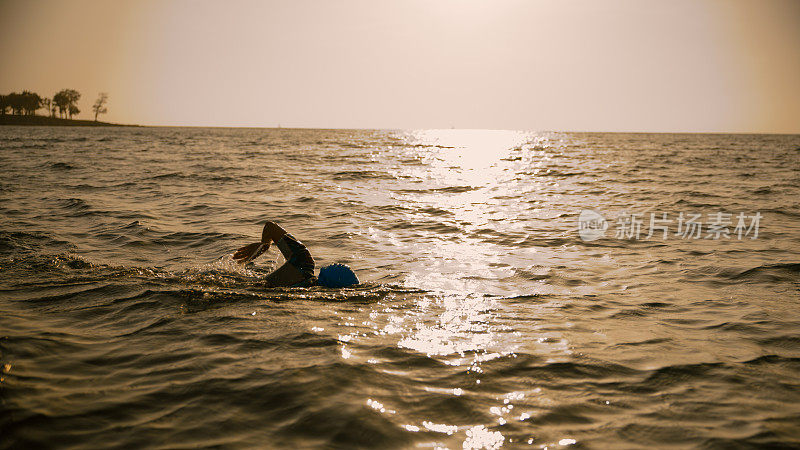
726,66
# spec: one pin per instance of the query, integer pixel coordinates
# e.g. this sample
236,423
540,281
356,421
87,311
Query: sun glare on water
461,185
469,151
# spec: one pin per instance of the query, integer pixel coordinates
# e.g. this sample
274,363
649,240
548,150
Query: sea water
493,312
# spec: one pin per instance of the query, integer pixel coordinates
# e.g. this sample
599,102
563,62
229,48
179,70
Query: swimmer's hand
250,252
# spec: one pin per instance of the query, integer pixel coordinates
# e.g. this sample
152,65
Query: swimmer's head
336,276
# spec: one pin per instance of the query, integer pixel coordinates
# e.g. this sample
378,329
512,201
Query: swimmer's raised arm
272,233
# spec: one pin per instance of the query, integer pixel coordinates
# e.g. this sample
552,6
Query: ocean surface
487,317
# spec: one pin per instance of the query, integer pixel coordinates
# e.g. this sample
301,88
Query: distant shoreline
10,119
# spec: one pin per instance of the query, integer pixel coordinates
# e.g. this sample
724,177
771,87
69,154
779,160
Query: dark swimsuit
297,255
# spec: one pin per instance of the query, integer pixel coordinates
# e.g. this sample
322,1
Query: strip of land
10,119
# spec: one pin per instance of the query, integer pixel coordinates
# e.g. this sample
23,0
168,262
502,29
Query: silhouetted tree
3,104
31,102
66,100
15,102
99,106
60,102
26,103
47,104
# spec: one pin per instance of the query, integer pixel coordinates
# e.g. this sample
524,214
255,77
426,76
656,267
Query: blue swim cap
336,276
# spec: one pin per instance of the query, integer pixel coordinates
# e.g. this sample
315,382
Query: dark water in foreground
484,320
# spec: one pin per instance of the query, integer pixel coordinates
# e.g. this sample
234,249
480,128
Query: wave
76,204
356,175
62,166
766,273
791,211
440,190
769,273
212,177
24,242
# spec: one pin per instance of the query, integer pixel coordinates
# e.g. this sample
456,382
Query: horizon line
279,127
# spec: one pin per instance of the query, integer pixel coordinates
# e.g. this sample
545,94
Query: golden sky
598,65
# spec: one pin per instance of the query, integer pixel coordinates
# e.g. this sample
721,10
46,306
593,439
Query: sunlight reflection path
463,227
463,333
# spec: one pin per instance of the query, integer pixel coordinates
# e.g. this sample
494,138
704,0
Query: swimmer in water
298,271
